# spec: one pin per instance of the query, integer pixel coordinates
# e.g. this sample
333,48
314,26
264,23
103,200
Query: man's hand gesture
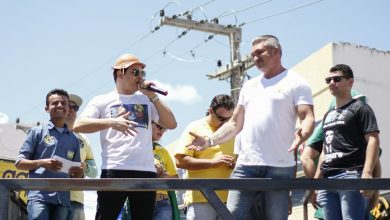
199,143
123,124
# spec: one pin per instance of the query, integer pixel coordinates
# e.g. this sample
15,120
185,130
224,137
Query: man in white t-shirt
124,118
266,114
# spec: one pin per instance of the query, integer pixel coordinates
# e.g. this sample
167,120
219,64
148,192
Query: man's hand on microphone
150,86
143,88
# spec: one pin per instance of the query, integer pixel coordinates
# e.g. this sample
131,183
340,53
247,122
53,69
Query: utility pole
236,68
235,71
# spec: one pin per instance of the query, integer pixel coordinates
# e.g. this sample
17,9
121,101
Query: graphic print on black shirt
344,130
332,119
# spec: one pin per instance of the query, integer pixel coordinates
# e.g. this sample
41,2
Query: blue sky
72,45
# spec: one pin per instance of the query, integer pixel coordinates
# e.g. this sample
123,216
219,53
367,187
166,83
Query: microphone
156,89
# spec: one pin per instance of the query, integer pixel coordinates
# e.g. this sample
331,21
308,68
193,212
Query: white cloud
3,118
186,94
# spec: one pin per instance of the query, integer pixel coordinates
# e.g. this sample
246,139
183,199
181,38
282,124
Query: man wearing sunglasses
312,149
353,150
270,105
214,162
88,163
127,148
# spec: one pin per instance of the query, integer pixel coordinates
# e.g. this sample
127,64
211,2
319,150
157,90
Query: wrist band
87,170
210,142
154,98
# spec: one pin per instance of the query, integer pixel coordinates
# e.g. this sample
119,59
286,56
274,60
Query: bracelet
154,98
210,142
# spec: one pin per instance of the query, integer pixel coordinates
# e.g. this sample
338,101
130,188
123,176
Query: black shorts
316,146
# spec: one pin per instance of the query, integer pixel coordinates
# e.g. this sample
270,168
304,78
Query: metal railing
206,186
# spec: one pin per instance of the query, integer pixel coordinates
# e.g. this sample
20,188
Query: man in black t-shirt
351,146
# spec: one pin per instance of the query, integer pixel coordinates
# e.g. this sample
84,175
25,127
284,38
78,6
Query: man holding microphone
127,148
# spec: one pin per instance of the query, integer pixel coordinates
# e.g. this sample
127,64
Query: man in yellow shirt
214,162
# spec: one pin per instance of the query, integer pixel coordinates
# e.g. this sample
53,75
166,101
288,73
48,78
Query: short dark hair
222,100
344,69
115,74
58,92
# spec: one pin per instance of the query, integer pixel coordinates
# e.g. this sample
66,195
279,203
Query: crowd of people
256,138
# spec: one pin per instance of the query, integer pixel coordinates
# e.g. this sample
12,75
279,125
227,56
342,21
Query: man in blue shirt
43,142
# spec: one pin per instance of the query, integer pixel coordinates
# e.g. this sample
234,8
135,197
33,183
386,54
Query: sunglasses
161,128
74,107
221,118
335,79
138,72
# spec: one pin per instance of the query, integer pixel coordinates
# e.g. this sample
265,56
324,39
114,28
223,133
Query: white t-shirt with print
118,150
270,118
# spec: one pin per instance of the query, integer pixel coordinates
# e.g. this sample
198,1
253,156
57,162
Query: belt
76,203
160,196
335,172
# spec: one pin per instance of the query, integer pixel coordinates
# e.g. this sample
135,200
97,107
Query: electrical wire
184,60
206,3
163,66
221,43
224,14
231,11
157,27
79,80
208,58
152,30
279,13
122,51
166,45
200,7
244,9
211,36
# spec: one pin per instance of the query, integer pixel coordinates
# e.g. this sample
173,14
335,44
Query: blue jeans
201,211
39,210
275,203
162,210
343,204
76,211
